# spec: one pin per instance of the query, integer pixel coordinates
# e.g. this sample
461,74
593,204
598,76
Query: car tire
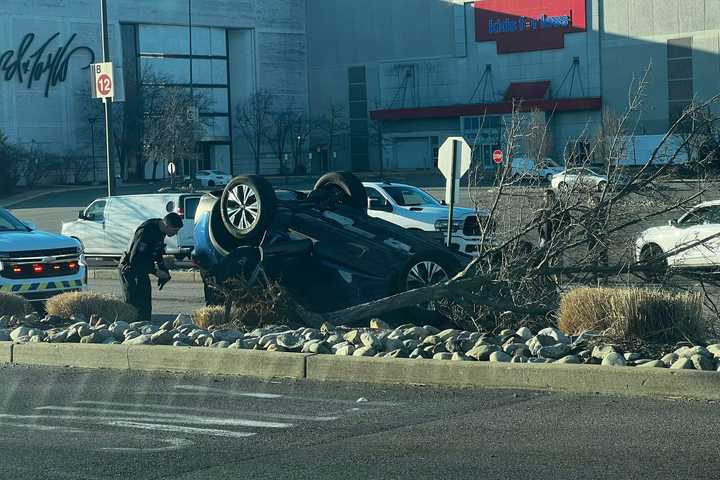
346,187
425,269
562,187
654,256
247,207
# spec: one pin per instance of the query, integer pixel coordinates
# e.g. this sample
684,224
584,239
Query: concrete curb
6,349
251,363
112,274
582,379
630,381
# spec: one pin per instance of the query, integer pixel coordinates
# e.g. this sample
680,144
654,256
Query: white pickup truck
38,265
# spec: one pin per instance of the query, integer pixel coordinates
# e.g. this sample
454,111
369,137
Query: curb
112,274
580,379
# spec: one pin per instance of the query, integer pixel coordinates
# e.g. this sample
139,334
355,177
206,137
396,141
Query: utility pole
106,102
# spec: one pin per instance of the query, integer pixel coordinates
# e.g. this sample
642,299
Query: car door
379,206
691,230
92,227
707,236
189,207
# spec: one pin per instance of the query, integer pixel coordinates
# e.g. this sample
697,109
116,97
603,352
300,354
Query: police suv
36,264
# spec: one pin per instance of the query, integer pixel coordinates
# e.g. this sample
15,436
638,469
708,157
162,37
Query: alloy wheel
424,274
243,208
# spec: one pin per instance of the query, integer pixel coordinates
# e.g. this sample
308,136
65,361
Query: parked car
682,243
107,225
413,208
322,246
212,178
36,264
579,178
527,168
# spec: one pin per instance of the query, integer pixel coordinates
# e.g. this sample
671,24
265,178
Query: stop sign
497,156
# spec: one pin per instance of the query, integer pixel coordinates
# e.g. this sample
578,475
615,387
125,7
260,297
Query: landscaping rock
459,356
392,344
345,350
289,341
371,340
399,353
377,324
183,319
714,350
139,340
319,348
353,336
570,359
21,331
499,356
178,343
702,362
613,359
416,333
162,337
35,339
682,363
602,351
274,347
556,334
482,352
518,359
442,356
517,349
539,341
652,364
631,356
364,352
221,344
669,359
557,351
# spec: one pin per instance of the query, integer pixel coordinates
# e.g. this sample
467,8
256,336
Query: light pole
92,121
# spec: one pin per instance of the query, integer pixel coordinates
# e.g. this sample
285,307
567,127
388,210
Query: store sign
35,61
528,25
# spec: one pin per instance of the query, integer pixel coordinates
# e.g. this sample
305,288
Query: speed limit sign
103,85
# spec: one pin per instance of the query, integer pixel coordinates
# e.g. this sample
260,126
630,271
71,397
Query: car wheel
653,255
563,187
348,189
247,207
424,270
601,186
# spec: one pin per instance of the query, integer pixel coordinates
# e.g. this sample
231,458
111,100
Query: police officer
145,256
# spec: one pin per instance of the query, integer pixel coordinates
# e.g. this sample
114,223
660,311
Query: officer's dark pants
137,292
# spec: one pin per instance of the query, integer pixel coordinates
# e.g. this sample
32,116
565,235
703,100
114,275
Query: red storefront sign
528,25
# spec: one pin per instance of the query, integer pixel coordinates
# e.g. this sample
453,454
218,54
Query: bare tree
300,130
251,119
278,135
333,125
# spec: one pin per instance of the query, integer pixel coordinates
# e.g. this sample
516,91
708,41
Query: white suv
693,240
38,265
415,209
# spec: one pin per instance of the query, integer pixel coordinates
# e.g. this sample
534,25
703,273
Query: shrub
11,304
633,312
209,316
107,307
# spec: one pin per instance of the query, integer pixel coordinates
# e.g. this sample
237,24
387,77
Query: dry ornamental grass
633,312
107,307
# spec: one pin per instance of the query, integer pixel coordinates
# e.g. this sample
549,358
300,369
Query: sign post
171,171
454,159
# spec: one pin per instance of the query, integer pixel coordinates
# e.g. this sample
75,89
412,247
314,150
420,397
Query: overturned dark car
322,247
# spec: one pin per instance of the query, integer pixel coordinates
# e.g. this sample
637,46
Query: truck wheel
347,188
247,207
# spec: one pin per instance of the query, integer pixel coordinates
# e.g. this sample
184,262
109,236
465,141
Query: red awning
527,91
453,111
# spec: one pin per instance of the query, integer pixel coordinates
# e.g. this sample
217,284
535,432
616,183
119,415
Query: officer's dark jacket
147,248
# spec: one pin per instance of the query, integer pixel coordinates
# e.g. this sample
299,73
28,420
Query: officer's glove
163,278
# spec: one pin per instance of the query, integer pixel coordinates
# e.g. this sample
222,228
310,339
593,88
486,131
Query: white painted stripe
180,429
282,416
173,417
270,396
175,444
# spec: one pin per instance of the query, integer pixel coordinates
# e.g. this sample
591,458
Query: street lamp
92,121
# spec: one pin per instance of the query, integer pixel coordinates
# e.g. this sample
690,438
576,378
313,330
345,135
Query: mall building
397,76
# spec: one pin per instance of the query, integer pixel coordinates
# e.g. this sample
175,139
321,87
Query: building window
680,77
359,134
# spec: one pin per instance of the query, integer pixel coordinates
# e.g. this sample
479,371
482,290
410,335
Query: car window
410,196
373,194
9,222
96,211
191,204
701,215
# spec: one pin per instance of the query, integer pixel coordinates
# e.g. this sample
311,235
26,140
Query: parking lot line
179,429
